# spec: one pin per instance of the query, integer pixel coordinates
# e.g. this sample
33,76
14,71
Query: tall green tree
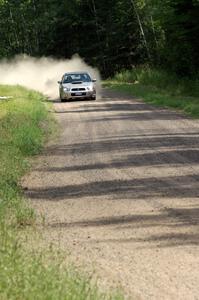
110,34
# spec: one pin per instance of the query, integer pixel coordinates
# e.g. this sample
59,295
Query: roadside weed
159,88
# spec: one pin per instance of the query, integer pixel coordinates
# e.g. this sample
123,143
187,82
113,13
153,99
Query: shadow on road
166,218
161,150
173,186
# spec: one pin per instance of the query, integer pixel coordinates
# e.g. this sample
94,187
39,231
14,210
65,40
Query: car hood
77,85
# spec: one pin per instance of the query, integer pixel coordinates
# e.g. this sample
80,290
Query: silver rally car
77,85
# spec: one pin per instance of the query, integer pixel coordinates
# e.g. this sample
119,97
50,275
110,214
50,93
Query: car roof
69,73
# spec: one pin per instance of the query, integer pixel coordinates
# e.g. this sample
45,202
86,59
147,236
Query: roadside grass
159,88
34,275
21,135
25,125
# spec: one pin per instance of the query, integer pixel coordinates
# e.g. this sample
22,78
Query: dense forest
109,34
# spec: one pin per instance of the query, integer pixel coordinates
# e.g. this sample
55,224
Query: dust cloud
42,74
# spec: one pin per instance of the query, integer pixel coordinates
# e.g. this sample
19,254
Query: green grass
21,135
25,274
30,275
159,88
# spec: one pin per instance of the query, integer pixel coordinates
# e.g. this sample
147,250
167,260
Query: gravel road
119,191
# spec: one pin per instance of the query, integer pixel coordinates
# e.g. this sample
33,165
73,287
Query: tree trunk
98,35
14,28
141,29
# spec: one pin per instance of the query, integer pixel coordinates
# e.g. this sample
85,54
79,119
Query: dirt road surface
119,191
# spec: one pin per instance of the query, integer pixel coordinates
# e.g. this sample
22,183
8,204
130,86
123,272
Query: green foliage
111,35
160,79
21,136
182,33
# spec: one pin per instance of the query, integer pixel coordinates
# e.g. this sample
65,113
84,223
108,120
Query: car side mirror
94,80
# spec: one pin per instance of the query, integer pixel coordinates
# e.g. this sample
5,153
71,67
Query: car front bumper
77,95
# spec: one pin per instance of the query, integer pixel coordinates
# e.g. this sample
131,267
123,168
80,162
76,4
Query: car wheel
93,98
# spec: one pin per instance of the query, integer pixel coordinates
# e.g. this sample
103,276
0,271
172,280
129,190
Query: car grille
74,94
78,89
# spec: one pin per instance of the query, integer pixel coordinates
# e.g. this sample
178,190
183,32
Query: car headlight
66,89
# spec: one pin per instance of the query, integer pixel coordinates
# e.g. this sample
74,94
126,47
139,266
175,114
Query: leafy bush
159,79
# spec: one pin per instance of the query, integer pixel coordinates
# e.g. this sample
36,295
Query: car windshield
70,78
